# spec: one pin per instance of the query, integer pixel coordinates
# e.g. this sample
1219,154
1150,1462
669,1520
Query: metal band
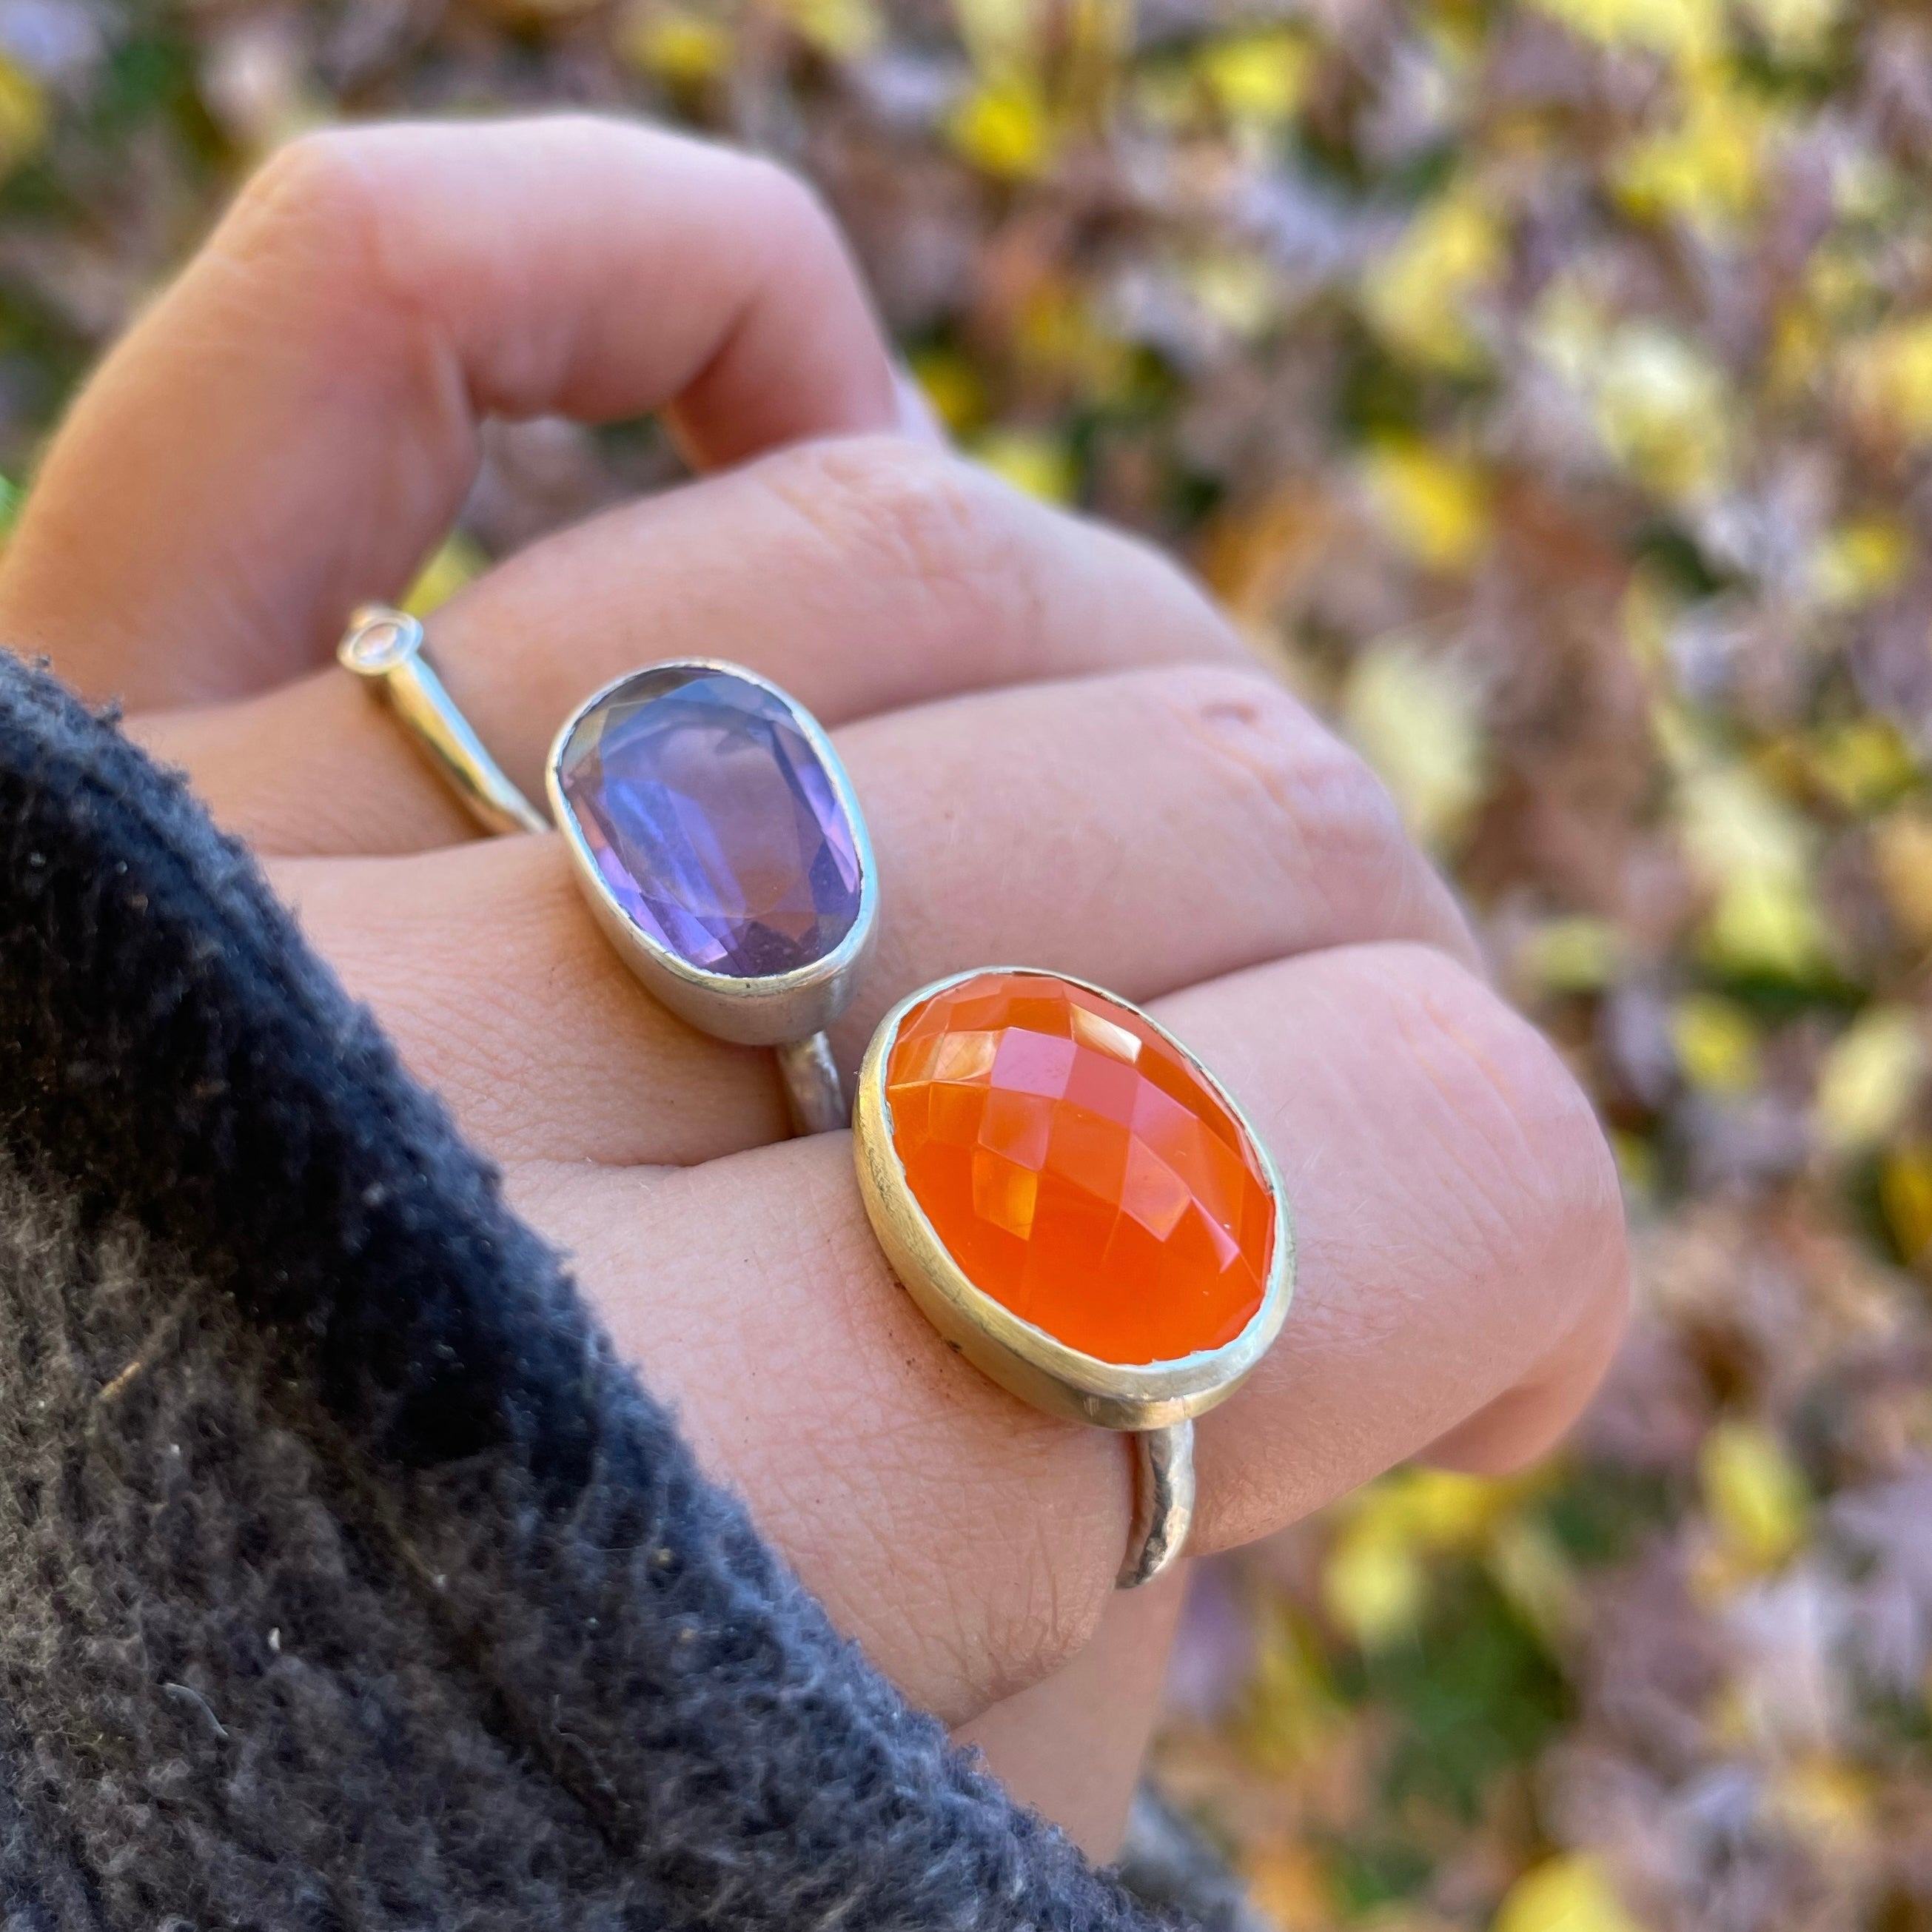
1163,1502
386,647
813,1089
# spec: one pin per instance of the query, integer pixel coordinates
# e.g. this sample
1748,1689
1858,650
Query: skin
1066,758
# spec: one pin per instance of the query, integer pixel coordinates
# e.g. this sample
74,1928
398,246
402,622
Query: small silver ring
386,648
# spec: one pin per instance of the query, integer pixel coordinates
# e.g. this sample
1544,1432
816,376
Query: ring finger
1148,830
1458,1238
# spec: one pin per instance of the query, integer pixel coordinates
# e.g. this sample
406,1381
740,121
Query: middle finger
861,574
1148,830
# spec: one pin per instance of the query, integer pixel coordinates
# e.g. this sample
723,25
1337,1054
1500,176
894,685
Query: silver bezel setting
358,652
1028,1361
769,1009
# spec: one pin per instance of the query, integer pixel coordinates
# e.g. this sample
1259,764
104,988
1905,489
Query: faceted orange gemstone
1079,1170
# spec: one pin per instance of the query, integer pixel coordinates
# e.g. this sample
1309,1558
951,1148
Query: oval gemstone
1078,1168
713,821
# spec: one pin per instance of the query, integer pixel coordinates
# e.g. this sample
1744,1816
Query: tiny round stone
1078,1169
379,647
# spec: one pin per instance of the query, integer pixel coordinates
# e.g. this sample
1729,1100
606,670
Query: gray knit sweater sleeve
346,1580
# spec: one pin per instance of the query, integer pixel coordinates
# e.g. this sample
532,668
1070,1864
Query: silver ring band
385,647
814,1091
1163,1502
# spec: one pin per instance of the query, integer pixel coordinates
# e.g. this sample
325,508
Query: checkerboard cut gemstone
712,821
1078,1168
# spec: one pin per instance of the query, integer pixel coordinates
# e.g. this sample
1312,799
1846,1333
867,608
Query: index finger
293,426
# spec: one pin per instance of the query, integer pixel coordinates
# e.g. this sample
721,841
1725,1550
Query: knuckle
320,183
1541,1188
917,517
1329,822
791,203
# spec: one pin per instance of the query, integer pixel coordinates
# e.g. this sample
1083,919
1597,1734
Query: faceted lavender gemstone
712,822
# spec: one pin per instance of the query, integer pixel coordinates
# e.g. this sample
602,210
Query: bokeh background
1545,390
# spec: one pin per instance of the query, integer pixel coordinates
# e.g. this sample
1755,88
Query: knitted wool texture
347,1579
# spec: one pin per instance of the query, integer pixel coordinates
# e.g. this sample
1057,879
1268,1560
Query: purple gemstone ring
712,827
718,842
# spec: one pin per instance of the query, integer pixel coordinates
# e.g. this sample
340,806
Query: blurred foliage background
1546,389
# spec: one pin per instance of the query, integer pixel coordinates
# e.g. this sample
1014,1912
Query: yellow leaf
1905,1195
1887,380
1288,1886
1757,1496
1002,127
1644,618
1755,853
1861,763
685,48
446,573
1800,340
1569,1893
25,116
1766,924
1796,28
1058,332
1688,29
1660,408
1290,1710
1568,330
1436,506
1708,171
1257,79
1415,296
1374,1585
1902,850
841,29
1418,721
952,386
1839,283
1376,1581
1578,954
1861,560
1870,1077
1442,1509
1636,1162
1432,1509
1825,1801
1532,1572
1093,39
1239,290
1034,460
1716,1044
1733,823
1001,37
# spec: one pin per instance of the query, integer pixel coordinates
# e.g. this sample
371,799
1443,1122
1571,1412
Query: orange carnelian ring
1078,1206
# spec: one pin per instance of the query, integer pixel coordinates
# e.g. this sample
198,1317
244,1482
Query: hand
1067,760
